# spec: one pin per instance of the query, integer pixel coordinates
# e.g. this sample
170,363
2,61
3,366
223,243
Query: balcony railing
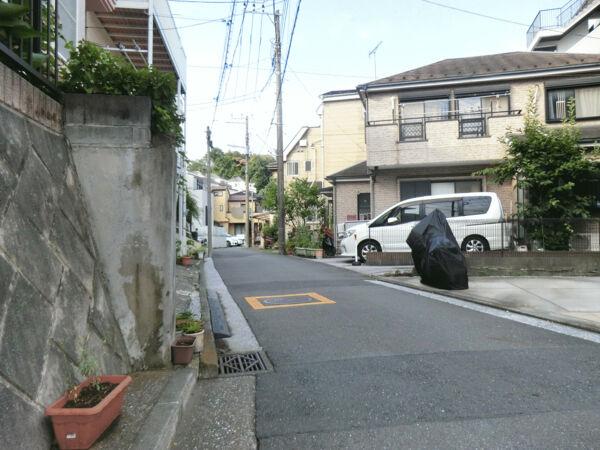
470,125
554,19
413,130
29,41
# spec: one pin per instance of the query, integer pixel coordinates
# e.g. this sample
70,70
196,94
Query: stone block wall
54,302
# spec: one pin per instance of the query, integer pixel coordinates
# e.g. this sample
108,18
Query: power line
287,56
500,19
225,54
473,13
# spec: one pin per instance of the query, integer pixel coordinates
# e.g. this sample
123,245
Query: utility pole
247,224
280,184
209,218
150,33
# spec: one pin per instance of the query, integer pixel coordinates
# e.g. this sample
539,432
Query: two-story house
573,27
429,129
316,153
230,209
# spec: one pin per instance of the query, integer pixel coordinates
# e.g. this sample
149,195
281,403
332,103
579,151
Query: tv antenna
374,54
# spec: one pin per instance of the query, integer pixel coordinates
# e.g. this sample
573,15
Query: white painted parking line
514,316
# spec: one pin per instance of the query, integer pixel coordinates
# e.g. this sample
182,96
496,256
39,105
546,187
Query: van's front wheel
475,244
367,247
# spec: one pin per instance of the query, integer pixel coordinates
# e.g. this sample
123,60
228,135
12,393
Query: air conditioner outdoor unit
585,242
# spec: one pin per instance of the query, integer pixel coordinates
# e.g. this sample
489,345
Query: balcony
554,19
471,114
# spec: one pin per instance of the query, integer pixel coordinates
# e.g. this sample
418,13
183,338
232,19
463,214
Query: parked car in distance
241,238
232,241
476,219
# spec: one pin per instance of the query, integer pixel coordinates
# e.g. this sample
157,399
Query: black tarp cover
436,254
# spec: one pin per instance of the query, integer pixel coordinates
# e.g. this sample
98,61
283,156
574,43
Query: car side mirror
391,220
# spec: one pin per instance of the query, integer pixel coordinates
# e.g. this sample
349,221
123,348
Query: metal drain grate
242,363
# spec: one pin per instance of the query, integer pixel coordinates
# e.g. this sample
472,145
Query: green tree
550,166
304,201
258,170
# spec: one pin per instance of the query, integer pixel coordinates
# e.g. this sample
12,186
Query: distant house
573,27
429,129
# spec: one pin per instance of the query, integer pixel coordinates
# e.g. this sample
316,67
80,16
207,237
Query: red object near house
351,217
186,261
78,428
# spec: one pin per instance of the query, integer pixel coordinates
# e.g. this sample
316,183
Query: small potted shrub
182,350
85,411
190,326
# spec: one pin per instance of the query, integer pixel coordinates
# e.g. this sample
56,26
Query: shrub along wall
54,302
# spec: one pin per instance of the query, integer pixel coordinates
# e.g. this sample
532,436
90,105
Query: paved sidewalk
572,301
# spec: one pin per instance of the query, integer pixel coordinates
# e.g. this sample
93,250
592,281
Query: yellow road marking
256,302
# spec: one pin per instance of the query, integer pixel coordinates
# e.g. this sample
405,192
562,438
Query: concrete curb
551,317
209,361
242,338
159,427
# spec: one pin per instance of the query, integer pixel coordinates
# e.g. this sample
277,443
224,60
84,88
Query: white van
476,219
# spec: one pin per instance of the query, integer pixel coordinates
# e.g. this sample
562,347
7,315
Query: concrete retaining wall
54,302
510,263
128,182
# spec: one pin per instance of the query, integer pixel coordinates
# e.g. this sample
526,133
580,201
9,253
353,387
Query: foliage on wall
94,70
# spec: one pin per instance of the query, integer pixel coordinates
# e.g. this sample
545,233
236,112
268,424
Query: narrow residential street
381,368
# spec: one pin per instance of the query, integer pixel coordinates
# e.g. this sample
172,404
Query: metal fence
29,34
548,19
513,235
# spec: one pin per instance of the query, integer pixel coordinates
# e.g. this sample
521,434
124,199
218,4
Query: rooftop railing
554,19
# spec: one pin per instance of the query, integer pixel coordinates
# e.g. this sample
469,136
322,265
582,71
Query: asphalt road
386,369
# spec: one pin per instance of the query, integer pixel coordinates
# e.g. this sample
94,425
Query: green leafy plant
93,70
189,326
550,166
184,315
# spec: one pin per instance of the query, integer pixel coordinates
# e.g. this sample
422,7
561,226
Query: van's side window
410,214
473,206
448,207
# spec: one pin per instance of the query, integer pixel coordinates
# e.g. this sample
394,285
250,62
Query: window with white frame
307,166
292,167
199,184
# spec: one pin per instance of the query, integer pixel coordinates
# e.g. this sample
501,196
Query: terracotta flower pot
186,261
78,428
199,340
182,350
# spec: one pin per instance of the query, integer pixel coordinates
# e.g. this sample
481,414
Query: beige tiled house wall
442,144
346,194
312,153
344,142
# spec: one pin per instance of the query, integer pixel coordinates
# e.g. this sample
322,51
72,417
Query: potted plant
194,328
85,411
186,261
182,350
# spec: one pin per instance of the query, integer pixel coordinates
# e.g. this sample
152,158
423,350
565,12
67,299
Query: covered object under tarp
436,254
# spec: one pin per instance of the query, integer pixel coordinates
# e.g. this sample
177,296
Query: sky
329,51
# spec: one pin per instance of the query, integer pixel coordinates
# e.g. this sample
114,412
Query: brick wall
386,191
346,194
20,95
507,194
